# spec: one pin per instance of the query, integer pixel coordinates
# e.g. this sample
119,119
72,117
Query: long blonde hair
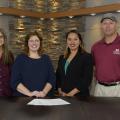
7,57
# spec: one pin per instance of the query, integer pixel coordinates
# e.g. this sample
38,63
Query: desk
15,108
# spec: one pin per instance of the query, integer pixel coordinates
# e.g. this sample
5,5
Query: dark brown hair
35,33
80,49
7,56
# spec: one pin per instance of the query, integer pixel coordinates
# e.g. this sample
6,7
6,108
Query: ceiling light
41,18
22,16
71,16
118,11
93,14
51,18
1,13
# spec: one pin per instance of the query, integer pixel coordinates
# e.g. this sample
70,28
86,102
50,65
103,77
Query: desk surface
80,109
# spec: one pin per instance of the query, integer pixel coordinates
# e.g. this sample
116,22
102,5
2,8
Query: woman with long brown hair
74,72
32,73
6,60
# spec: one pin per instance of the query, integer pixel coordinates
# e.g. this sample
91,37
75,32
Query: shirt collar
115,41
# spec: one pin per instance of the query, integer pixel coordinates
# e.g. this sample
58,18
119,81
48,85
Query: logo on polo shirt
116,51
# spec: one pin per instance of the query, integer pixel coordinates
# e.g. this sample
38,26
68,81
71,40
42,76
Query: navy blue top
33,73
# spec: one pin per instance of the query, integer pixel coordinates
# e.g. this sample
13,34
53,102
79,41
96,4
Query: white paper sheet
48,102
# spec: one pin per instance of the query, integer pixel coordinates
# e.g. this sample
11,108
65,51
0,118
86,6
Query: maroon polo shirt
107,60
5,71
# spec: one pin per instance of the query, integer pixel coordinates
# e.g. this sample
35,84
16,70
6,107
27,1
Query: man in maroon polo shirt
106,55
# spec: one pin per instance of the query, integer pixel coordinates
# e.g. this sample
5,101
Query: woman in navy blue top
74,72
32,72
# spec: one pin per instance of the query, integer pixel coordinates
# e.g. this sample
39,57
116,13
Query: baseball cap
110,16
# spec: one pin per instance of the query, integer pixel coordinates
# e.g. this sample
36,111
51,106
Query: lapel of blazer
71,63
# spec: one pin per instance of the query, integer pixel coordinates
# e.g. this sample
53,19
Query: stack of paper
48,102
